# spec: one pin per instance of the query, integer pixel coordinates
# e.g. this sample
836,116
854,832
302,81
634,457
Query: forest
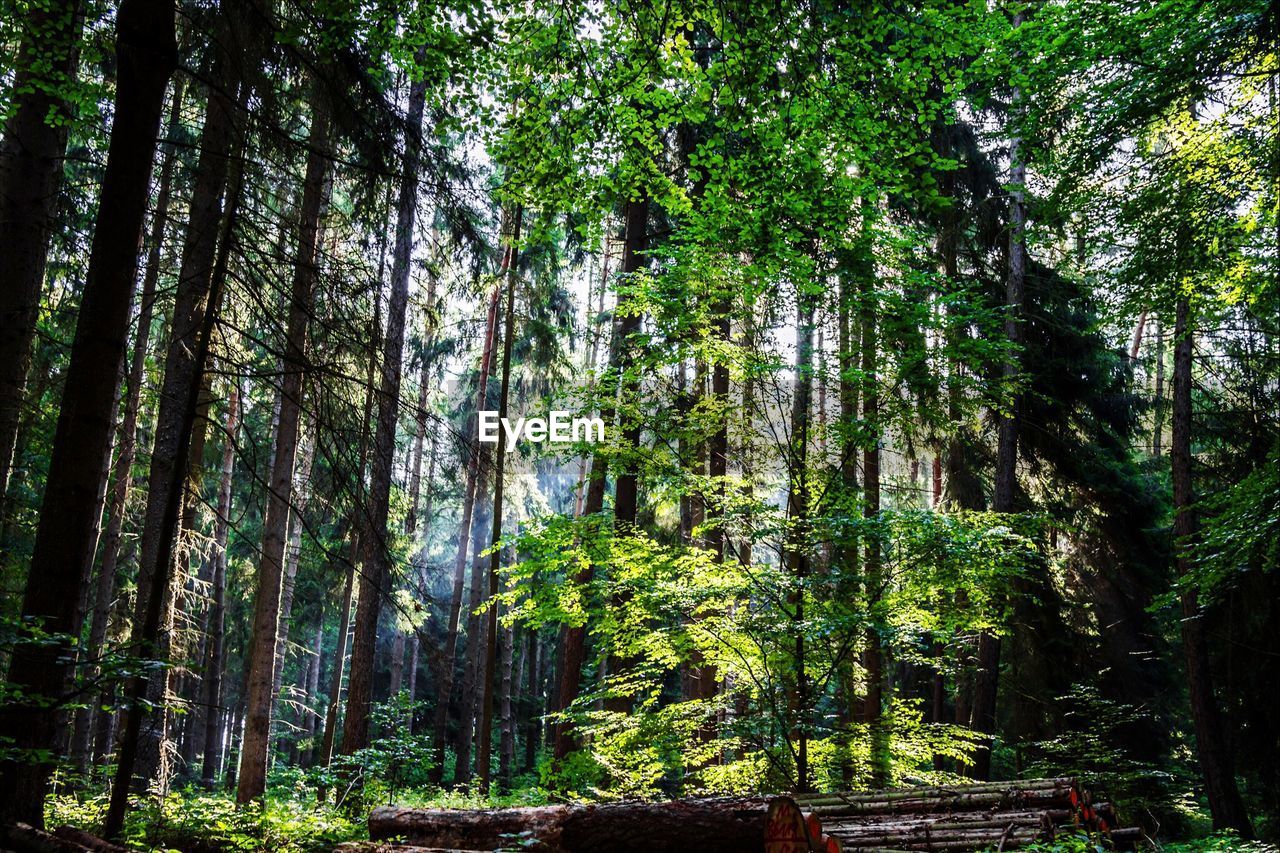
936,346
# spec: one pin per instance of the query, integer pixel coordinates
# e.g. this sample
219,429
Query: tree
145,51
263,664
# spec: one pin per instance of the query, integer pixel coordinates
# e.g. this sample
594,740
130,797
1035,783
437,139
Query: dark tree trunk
265,643
146,56
194,302
797,550
1216,762
469,698
873,653
31,156
127,435
339,659
987,678
373,580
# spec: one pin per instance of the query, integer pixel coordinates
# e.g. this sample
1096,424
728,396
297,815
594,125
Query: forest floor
294,821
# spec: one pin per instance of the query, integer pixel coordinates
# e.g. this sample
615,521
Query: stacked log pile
992,815
995,816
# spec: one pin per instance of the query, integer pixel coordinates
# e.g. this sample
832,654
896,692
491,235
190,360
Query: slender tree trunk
986,682
460,559
373,581
873,652
1217,765
31,166
312,698
215,651
193,303
1157,431
470,698
484,749
292,556
145,55
797,550
507,742
532,723
263,649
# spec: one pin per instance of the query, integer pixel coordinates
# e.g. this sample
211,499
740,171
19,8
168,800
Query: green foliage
192,819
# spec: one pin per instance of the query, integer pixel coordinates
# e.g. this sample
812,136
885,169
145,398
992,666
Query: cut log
707,825
996,815
23,838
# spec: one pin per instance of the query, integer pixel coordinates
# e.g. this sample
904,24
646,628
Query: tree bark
1217,764
31,165
146,56
373,580
292,556
262,662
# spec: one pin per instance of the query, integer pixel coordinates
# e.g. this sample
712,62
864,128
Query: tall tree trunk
263,646
445,692
1217,764
215,649
798,535
986,682
873,653
127,434
626,487
373,581
146,56
507,739
484,748
193,303
31,155
360,510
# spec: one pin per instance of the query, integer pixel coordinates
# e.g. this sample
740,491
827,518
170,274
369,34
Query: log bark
146,56
727,824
